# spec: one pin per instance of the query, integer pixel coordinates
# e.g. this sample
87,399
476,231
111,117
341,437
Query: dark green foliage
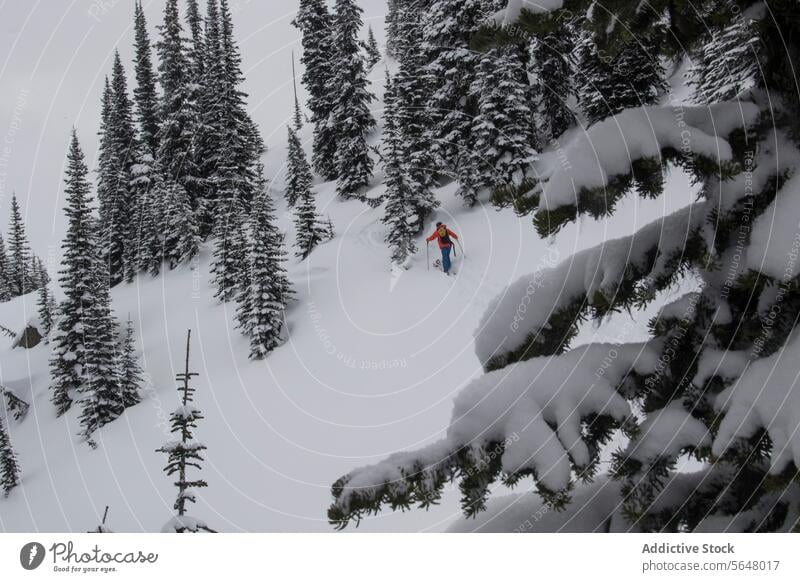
77,280
267,292
411,89
316,26
350,116
553,85
18,269
145,94
400,213
9,466
372,50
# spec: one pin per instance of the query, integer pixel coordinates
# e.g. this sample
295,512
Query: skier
443,234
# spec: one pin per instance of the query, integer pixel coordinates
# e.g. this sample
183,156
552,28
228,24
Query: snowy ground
375,357
372,367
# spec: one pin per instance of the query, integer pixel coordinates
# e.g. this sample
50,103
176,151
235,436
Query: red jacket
436,236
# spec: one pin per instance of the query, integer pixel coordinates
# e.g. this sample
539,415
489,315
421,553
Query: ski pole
427,255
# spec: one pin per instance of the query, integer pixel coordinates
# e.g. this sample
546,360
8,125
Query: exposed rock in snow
28,338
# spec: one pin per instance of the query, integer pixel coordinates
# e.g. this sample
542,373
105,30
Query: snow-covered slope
373,364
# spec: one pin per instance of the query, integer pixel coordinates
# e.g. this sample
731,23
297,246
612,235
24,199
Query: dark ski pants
446,258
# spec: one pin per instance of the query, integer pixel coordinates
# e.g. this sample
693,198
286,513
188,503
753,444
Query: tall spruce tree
350,117
19,253
503,126
145,93
119,143
130,372
411,89
9,466
181,231
5,283
712,380
726,62
185,453
179,112
148,217
228,131
77,280
309,227
551,68
371,47
612,82
298,172
392,34
316,27
400,213
101,397
46,312
263,301
451,66
229,262
208,143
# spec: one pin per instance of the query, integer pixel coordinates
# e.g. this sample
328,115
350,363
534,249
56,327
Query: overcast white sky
54,55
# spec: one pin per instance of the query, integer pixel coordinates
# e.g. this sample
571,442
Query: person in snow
444,236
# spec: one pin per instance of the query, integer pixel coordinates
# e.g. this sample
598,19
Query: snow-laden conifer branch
546,418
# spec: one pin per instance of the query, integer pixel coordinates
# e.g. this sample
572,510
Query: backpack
443,236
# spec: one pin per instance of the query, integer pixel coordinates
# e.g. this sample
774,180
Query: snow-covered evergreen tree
148,215
119,156
309,227
350,116
297,116
229,263
315,23
727,60
413,118
77,280
229,145
298,172
502,127
130,373
371,47
263,300
19,253
101,397
184,454
400,213
181,231
551,68
612,82
145,93
9,465
5,282
46,312
391,20
179,112
715,379
448,26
